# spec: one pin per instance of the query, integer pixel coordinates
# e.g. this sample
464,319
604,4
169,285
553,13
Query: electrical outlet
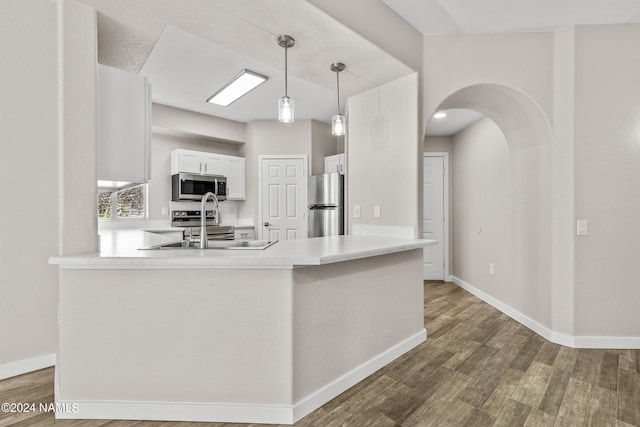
492,270
581,227
376,211
356,211
165,210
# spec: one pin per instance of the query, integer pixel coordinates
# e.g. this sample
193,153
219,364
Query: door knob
266,224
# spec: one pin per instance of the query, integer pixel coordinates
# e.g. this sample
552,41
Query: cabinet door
123,110
236,182
190,162
342,167
333,164
243,234
213,164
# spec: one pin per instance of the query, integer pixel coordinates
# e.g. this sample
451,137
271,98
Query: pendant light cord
285,71
338,87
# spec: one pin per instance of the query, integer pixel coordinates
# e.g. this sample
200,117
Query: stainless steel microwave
187,186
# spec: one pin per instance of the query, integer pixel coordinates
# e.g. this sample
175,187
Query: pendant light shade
338,122
285,104
338,125
285,109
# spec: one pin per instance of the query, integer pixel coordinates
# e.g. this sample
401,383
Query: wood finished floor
477,368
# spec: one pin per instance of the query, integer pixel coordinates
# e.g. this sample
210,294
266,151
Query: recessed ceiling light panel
239,86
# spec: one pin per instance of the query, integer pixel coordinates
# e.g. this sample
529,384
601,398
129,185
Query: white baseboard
24,366
217,412
550,335
318,398
171,411
583,341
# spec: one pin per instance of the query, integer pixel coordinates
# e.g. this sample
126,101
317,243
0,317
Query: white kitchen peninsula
233,336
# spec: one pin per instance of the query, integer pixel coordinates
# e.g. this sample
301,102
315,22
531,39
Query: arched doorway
514,225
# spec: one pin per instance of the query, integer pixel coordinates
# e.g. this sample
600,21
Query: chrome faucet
203,217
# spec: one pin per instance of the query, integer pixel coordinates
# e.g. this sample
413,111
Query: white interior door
434,218
283,198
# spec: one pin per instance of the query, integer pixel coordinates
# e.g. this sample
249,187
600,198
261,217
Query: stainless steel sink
216,244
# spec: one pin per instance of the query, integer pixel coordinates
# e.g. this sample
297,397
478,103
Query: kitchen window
130,203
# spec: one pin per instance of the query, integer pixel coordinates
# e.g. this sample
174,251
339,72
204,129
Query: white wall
179,122
380,22
47,129
483,217
523,61
563,218
322,144
607,173
28,288
77,141
382,150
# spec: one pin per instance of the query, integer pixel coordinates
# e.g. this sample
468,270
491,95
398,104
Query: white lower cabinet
243,233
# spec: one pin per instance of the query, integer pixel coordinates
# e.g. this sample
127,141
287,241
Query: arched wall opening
511,227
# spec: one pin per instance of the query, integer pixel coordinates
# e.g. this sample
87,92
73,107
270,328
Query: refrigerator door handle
322,207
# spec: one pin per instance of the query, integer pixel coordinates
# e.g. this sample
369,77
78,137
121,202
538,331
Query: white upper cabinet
213,164
199,162
334,164
236,182
123,122
186,161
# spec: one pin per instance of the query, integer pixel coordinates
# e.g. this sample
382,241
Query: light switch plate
356,211
581,227
376,211
165,210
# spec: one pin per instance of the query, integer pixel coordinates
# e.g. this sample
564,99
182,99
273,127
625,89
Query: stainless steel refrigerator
326,200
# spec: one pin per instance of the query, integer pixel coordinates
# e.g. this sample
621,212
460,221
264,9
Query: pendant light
285,104
338,123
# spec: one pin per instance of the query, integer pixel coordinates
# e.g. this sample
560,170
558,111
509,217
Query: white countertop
120,249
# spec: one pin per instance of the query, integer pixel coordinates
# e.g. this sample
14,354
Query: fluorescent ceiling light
240,85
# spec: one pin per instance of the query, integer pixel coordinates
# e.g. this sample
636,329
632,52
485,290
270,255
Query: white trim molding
445,237
19,367
239,413
545,332
318,398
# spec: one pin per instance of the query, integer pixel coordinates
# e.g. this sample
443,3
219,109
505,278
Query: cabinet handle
205,168
200,167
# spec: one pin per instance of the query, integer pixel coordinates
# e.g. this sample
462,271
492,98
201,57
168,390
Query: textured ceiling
128,30
495,16
184,70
